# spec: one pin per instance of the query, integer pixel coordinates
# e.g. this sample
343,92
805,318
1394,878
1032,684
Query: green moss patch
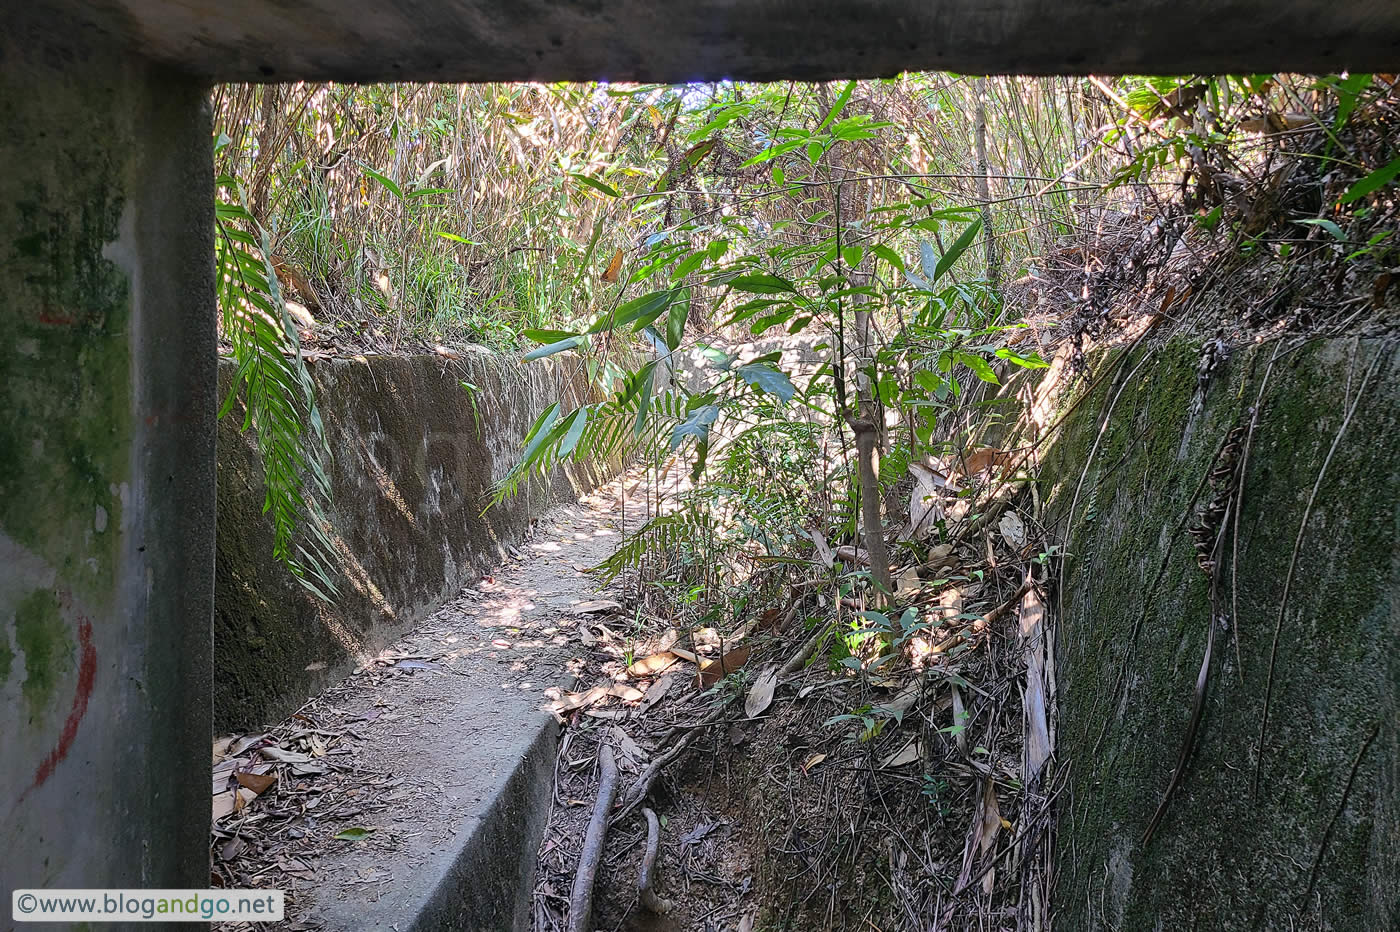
43,638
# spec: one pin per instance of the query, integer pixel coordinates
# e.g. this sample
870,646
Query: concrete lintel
663,40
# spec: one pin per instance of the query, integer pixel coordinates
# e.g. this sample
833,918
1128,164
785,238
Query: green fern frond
279,397
686,527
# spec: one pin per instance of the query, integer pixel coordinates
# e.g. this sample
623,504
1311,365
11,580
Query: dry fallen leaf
849,554
959,719
813,761
908,585
568,702
712,671
283,756
223,805
926,499
1013,529
221,772
984,459
243,744
625,692
657,691
595,607
256,782
614,266
649,666
991,824
908,754
761,693
627,746
1037,739
221,746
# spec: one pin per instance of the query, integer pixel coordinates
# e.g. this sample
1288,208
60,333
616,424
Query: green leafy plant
278,395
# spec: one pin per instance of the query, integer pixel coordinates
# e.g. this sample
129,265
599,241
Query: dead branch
638,791
987,620
581,900
646,878
796,661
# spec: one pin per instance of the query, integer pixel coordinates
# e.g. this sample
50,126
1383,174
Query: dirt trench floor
804,783
343,802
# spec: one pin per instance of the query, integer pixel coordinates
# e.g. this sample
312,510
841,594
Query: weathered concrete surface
106,466
661,40
1318,845
412,463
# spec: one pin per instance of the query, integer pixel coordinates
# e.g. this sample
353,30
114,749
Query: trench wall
106,464
414,455
1299,829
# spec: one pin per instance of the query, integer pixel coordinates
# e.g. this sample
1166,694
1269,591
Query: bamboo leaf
455,238
385,180
762,283
958,248
841,100
556,347
1372,182
539,432
889,255
675,324
644,404
928,259
573,431
547,336
595,184
1329,225
768,379
639,312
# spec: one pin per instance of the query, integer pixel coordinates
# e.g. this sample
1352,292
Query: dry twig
646,879
581,900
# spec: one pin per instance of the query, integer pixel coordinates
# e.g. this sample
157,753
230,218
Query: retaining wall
414,457
1299,828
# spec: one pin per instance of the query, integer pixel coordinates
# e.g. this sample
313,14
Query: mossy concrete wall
1316,843
106,465
414,456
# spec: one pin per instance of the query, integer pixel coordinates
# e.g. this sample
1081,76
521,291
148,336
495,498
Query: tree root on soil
581,899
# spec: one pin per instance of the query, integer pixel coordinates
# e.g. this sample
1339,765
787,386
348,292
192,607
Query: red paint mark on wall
87,676
56,318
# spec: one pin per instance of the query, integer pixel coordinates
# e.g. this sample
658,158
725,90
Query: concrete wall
1316,845
106,466
106,314
663,40
412,464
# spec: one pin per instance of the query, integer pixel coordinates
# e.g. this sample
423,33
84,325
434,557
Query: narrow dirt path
406,753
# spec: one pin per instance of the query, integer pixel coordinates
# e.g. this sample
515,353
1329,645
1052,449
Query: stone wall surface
1302,829
414,456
